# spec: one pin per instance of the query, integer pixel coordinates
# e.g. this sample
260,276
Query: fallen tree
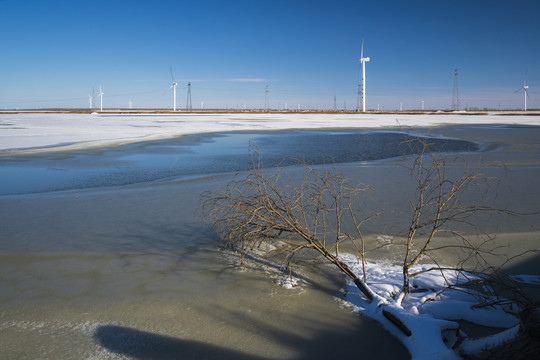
323,212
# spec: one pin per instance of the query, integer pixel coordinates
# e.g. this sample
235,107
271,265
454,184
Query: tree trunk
405,281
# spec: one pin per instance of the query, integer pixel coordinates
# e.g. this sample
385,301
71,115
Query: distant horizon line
135,111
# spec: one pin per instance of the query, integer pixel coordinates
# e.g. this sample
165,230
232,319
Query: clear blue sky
54,52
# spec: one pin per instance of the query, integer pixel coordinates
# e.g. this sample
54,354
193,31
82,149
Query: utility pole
266,101
188,101
455,96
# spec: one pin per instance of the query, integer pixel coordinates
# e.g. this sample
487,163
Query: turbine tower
173,86
101,97
362,88
526,95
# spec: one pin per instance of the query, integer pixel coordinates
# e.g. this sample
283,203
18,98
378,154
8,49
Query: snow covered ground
40,132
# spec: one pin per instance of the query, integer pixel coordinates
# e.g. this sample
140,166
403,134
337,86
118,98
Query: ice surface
192,156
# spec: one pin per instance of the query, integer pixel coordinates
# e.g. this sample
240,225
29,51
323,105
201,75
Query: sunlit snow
431,322
40,132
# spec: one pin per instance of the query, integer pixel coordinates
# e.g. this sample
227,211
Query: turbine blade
166,91
362,50
172,76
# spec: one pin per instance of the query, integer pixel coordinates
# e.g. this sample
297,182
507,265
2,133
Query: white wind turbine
91,99
363,60
173,86
101,97
526,95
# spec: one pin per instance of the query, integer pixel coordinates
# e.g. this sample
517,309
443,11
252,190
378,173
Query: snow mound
430,310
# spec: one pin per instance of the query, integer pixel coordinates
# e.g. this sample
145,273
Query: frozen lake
198,156
134,271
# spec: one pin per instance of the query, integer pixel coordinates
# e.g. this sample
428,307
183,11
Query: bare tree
443,214
323,212
318,214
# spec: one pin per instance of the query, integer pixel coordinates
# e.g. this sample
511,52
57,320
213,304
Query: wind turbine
101,97
91,99
526,95
363,60
173,86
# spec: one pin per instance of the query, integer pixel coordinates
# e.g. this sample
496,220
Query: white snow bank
40,132
432,323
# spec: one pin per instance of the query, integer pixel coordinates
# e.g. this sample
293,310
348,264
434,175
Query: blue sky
55,52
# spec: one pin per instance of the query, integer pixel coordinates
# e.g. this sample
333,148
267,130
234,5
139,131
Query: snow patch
40,132
427,312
